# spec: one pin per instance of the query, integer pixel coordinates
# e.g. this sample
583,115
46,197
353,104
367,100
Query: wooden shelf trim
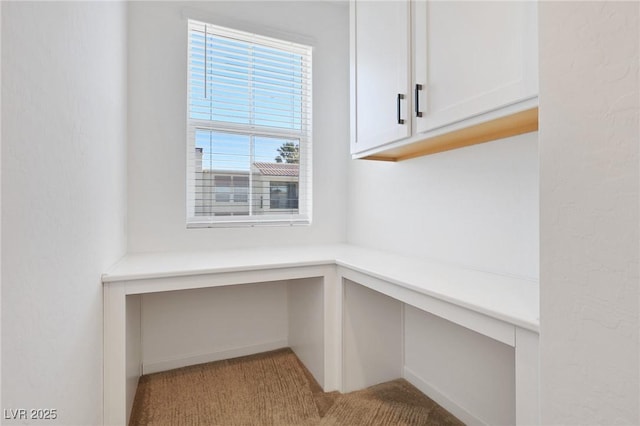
499,128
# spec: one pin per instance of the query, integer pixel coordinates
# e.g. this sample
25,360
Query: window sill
249,223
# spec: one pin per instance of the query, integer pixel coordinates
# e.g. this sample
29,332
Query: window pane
284,195
223,151
222,167
243,89
241,189
241,82
277,150
222,188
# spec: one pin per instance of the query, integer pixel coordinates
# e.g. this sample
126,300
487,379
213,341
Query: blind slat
241,85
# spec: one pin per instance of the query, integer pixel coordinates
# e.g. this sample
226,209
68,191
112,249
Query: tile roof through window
277,169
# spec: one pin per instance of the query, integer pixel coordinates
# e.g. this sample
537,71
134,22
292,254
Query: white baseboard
442,399
156,366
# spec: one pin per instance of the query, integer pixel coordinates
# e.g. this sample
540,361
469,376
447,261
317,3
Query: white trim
353,105
441,398
232,221
156,366
251,27
234,128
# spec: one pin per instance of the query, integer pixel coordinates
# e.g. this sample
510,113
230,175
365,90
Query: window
284,195
222,188
248,129
228,189
241,189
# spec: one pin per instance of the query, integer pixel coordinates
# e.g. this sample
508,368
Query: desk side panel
528,377
115,372
133,348
372,337
306,324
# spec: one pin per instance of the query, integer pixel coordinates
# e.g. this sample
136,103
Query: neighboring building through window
284,195
249,128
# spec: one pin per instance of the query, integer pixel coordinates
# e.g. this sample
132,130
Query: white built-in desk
501,307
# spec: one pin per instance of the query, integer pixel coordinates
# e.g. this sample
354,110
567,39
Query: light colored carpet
395,403
273,388
264,389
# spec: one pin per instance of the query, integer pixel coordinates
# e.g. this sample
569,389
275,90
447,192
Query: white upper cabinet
381,72
473,57
466,72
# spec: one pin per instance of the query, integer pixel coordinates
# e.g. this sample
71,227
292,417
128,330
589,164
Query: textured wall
63,199
589,108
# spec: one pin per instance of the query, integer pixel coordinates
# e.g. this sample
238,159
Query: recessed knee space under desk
237,320
354,316
470,375
189,327
288,304
482,367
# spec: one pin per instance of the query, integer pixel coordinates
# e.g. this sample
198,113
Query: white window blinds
249,128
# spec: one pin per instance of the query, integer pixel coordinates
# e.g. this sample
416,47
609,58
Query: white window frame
304,215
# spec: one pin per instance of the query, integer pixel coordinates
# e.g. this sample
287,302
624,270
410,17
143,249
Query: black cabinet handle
400,97
418,89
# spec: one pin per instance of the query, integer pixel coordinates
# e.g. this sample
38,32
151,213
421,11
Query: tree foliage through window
289,152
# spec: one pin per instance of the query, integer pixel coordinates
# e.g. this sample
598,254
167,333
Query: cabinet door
473,57
380,73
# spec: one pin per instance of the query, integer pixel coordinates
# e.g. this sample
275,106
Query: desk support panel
115,356
372,337
527,378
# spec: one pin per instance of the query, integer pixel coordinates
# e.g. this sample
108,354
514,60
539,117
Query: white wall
439,353
195,326
589,196
64,199
0,207
157,121
476,206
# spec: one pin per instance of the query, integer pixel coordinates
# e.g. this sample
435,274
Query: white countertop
179,264
511,299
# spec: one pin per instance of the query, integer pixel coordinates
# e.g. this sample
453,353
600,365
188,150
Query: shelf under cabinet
511,125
